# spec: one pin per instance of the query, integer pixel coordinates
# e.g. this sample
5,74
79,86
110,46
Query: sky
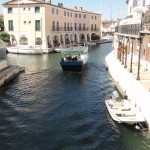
110,9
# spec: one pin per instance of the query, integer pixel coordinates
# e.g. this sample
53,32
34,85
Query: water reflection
35,63
46,108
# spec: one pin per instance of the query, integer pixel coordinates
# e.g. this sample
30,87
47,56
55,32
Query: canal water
48,109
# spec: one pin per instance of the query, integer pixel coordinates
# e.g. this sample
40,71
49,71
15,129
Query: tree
5,36
1,25
95,37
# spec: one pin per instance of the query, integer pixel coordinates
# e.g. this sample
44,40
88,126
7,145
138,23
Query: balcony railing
81,29
93,29
62,29
134,29
58,29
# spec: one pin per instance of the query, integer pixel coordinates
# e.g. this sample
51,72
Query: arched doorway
82,38
23,40
49,41
38,41
67,41
55,41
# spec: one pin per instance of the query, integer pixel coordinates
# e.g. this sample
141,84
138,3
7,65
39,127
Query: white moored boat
24,50
123,111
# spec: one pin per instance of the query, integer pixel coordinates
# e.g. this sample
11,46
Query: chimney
75,7
81,8
49,1
60,4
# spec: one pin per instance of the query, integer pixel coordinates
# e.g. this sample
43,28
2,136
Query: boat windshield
74,50
115,95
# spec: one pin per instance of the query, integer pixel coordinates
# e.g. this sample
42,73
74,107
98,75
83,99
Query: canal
48,109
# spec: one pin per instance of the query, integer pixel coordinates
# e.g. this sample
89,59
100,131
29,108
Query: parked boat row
25,49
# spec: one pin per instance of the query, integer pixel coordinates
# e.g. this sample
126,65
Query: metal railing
57,29
81,29
134,29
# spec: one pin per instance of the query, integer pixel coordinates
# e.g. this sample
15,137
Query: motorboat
91,43
60,48
106,39
123,111
23,49
74,58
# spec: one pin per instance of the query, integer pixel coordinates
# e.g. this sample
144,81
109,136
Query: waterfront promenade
136,90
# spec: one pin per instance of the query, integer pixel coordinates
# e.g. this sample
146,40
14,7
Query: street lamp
125,48
131,57
139,57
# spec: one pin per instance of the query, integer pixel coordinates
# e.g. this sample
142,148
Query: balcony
134,29
81,29
93,29
60,29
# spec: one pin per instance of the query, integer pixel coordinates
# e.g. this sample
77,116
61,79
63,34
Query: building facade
132,44
40,23
108,27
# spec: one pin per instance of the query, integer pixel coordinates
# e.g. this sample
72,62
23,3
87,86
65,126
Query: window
71,26
24,22
64,13
29,8
95,27
29,22
9,10
53,25
84,27
79,15
79,26
84,16
75,26
65,26
37,25
37,9
91,17
76,15
57,26
10,25
53,11
57,11
24,9
70,14
91,27
95,17
68,26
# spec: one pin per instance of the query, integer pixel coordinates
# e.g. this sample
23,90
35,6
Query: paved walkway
136,90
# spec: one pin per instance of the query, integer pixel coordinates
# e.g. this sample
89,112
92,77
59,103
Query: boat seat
125,113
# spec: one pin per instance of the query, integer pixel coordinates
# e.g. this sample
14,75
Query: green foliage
5,36
95,37
1,25
38,41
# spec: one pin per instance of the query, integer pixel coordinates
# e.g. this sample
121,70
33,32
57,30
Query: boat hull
72,66
29,51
